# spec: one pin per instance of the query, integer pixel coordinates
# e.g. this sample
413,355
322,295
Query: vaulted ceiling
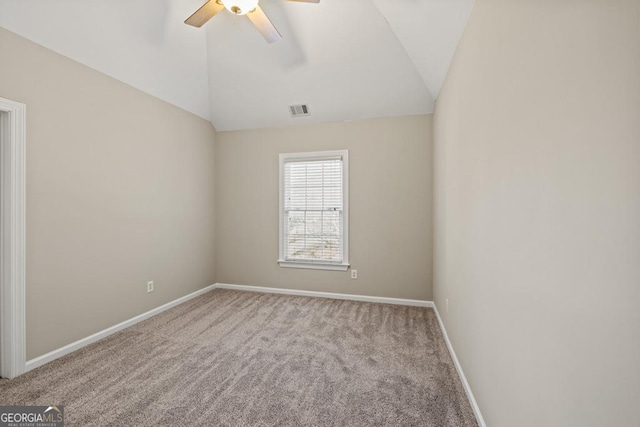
346,59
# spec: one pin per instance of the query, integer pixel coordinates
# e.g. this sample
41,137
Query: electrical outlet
446,304
354,274
149,287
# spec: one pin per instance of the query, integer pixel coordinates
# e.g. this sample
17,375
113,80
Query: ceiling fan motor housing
239,7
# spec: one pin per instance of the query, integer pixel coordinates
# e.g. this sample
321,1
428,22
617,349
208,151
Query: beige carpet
231,358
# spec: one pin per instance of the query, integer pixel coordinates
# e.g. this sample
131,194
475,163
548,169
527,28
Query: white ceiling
347,59
143,43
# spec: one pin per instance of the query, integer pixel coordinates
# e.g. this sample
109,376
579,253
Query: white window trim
317,265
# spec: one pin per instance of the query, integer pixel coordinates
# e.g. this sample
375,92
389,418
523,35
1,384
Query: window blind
313,208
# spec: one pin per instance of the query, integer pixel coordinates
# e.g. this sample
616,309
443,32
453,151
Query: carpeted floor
230,358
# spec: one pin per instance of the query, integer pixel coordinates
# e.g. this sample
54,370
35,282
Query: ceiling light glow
240,7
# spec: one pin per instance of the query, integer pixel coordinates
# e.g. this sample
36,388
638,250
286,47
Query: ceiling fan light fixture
240,7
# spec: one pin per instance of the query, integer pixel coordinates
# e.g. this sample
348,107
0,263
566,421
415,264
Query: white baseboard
383,300
69,348
456,362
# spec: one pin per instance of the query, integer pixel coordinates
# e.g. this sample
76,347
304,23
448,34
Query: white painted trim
456,362
313,265
317,155
365,298
12,239
62,351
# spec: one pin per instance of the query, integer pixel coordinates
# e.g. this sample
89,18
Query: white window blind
313,209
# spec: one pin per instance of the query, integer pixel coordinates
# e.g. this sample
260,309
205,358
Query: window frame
316,265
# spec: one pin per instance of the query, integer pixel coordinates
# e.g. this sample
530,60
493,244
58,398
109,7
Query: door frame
12,238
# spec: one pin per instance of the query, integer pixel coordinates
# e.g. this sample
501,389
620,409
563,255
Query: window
314,217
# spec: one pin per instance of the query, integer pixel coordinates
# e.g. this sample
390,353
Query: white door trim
12,238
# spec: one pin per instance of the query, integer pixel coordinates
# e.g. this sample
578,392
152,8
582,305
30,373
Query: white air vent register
299,110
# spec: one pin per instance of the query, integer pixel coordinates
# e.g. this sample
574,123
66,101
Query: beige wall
120,191
390,206
537,157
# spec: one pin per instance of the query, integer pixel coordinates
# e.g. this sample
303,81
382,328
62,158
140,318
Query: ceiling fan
240,7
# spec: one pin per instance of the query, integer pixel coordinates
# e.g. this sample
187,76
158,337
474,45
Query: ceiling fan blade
306,1
263,25
206,12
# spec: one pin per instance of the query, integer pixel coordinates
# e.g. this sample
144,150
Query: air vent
299,110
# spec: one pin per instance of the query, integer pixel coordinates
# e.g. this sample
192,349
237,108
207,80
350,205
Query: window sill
313,265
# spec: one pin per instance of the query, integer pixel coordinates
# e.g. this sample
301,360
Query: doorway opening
12,238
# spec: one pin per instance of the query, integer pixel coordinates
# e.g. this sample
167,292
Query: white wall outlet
149,287
446,305
354,274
